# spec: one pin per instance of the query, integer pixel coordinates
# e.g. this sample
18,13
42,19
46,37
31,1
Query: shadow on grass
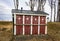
32,38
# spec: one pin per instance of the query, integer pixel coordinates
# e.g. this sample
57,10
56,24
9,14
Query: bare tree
16,3
54,9
31,4
51,5
41,4
58,11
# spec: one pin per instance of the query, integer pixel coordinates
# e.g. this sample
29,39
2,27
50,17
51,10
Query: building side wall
30,24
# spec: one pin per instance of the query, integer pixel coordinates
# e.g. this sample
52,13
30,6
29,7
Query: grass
5,22
7,35
5,31
54,30
5,25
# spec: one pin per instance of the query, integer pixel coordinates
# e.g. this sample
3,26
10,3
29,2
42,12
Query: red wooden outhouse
28,22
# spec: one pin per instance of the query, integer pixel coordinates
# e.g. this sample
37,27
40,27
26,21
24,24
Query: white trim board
30,14
14,18
46,27
31,25
14,30
38,25
23,25
14,23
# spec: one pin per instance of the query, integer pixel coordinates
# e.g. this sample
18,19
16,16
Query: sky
7,5
5,10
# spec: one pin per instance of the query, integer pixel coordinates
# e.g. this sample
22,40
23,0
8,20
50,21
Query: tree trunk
16,4
32,7
51,10
39,5
51,15
54,11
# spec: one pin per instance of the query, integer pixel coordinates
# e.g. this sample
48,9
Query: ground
6,33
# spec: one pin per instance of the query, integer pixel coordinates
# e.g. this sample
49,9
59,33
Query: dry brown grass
54,30
5,31
53,33
7,25
5,36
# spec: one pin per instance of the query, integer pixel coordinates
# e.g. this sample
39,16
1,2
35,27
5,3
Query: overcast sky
7,5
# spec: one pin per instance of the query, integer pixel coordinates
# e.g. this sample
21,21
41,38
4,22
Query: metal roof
28,12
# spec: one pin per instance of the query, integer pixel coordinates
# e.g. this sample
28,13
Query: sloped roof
28,12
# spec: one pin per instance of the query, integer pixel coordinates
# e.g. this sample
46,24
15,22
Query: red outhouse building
28,22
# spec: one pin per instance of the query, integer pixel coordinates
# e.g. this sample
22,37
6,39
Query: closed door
35,19
42,19
27,29
42,29
27,19
19,30
19,19
35,29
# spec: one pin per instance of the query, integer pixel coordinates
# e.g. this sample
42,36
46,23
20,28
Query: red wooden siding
19,19
35,29
28,26
27,19
42,19
19,29
27,29
35,19
42,29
